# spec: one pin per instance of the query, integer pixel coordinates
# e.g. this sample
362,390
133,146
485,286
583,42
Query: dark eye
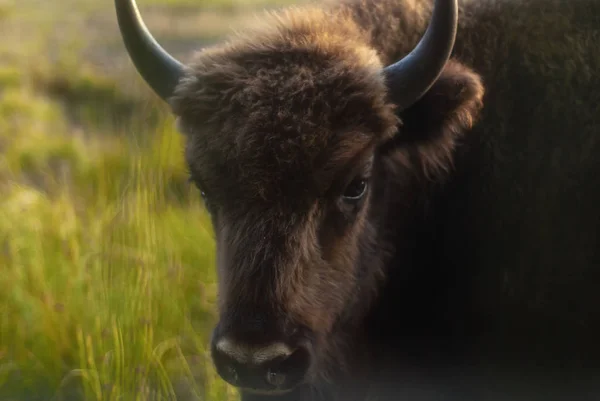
207,204
355,190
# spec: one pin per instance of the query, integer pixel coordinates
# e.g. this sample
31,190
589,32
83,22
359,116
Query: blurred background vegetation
107,282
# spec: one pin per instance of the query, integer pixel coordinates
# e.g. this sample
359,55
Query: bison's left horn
158,68
411,77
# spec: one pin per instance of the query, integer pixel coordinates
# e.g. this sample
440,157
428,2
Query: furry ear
432,126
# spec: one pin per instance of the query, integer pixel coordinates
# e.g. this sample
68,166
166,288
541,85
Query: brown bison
405,196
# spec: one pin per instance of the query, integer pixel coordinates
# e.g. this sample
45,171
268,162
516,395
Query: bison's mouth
265,392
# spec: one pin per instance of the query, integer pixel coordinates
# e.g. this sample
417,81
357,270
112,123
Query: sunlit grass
107,285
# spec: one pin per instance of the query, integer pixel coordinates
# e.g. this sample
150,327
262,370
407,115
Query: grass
107,284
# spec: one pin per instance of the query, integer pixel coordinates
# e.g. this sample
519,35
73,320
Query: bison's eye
355,190
207,204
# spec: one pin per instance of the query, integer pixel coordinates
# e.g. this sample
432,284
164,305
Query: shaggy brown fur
280,119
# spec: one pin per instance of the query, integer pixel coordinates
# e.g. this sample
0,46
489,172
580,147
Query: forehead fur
283,108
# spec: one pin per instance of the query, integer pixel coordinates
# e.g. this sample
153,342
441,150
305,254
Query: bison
405,196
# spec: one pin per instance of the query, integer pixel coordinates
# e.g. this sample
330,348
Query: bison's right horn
411,77
158,68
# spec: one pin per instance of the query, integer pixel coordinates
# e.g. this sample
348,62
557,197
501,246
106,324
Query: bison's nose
275,367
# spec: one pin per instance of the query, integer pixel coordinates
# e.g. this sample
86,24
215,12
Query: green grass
107,284
102,273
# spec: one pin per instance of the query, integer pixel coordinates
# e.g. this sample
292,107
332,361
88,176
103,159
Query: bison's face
282,145
287,271
283,142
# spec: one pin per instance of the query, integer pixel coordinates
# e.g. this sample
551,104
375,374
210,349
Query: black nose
275,367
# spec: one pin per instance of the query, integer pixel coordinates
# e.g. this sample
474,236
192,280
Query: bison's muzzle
275,366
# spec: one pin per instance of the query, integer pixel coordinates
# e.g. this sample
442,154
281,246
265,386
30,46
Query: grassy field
107,283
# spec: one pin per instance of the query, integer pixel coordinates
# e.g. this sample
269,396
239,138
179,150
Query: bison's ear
434,124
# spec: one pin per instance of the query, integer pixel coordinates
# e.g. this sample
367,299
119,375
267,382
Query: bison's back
521,220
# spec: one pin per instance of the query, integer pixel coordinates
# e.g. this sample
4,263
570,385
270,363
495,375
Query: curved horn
161,71
411,77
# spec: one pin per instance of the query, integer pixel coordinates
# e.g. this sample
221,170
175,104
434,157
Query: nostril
276,379
232,375
288,371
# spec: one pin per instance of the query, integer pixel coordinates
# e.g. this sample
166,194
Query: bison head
283,130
